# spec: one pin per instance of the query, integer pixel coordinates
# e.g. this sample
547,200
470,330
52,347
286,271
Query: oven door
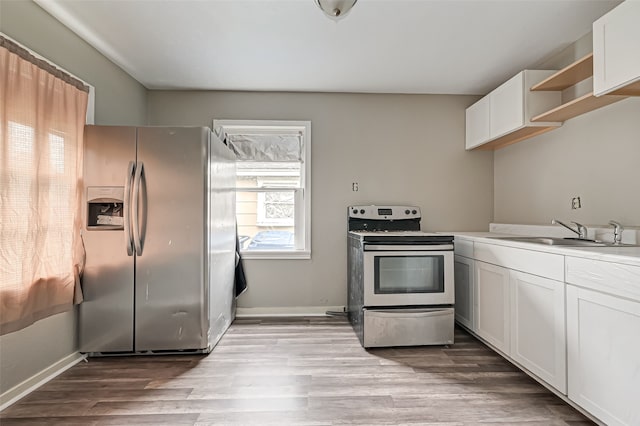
408,278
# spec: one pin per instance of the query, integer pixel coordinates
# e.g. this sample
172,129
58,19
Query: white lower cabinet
571,322
464,303
538,340
522,314
492,313
604,355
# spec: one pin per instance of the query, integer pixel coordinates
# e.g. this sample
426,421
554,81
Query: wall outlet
354,186
576,203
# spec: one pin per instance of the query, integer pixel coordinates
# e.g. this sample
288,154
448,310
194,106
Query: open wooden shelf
632,89
576,107
568,76
513,137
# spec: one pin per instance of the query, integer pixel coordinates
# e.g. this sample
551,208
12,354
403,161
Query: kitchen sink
571,242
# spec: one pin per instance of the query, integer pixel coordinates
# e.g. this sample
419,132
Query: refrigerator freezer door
106,315
171,273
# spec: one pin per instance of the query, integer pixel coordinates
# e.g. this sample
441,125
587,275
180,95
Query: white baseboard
284,311
32,383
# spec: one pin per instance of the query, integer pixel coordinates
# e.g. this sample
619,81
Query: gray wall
399,148
119,100
594,156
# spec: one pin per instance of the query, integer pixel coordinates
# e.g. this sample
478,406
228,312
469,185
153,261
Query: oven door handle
399,313
378,247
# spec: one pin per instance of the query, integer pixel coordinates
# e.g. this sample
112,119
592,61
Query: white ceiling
381,46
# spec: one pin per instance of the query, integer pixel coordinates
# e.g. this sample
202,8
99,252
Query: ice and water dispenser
105,207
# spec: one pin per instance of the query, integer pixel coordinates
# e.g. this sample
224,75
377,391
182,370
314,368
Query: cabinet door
616,40
492,315
507,106
538,327
477,123
604,355
464,301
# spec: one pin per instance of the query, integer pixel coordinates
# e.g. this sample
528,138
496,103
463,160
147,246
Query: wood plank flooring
297,371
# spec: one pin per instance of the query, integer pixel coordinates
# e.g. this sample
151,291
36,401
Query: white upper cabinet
504,116
477,123
507,106
616,43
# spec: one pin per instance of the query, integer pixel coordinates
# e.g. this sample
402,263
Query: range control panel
384,212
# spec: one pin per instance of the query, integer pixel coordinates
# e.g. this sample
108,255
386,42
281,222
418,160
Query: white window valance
266,147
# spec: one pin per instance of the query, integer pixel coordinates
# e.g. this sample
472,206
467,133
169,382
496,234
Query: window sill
275,254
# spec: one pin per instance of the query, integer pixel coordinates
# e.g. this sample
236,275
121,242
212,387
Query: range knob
355,211
414,211
361,211
407,211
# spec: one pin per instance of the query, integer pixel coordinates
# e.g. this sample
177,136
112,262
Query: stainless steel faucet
617,231
581,229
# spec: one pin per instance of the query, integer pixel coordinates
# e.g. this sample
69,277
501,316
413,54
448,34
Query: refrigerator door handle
128,238
135,210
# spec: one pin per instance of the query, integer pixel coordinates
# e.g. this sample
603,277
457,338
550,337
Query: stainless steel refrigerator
159,233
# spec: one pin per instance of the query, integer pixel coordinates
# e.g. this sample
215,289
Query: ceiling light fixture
335,9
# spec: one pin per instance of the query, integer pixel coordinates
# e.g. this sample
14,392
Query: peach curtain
42,117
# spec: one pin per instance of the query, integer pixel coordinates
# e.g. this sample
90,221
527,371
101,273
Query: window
41,128
273,198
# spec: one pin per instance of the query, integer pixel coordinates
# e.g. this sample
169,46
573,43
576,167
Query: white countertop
623,255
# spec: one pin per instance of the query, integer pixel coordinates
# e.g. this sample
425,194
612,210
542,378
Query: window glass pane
16,202
266,219
268,175
20,172
20,142
56,153
276,208
409,274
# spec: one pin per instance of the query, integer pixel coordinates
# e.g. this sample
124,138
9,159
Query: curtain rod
42,64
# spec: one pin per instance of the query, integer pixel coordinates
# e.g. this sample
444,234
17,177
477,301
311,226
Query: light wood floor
303,371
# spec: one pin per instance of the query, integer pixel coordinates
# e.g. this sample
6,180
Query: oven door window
409,274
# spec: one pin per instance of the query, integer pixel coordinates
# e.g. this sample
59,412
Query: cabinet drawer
607,277
533,262
463,247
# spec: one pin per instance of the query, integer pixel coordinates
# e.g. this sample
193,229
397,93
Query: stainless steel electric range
400,284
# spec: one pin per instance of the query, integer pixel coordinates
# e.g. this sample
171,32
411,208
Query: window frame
302,215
